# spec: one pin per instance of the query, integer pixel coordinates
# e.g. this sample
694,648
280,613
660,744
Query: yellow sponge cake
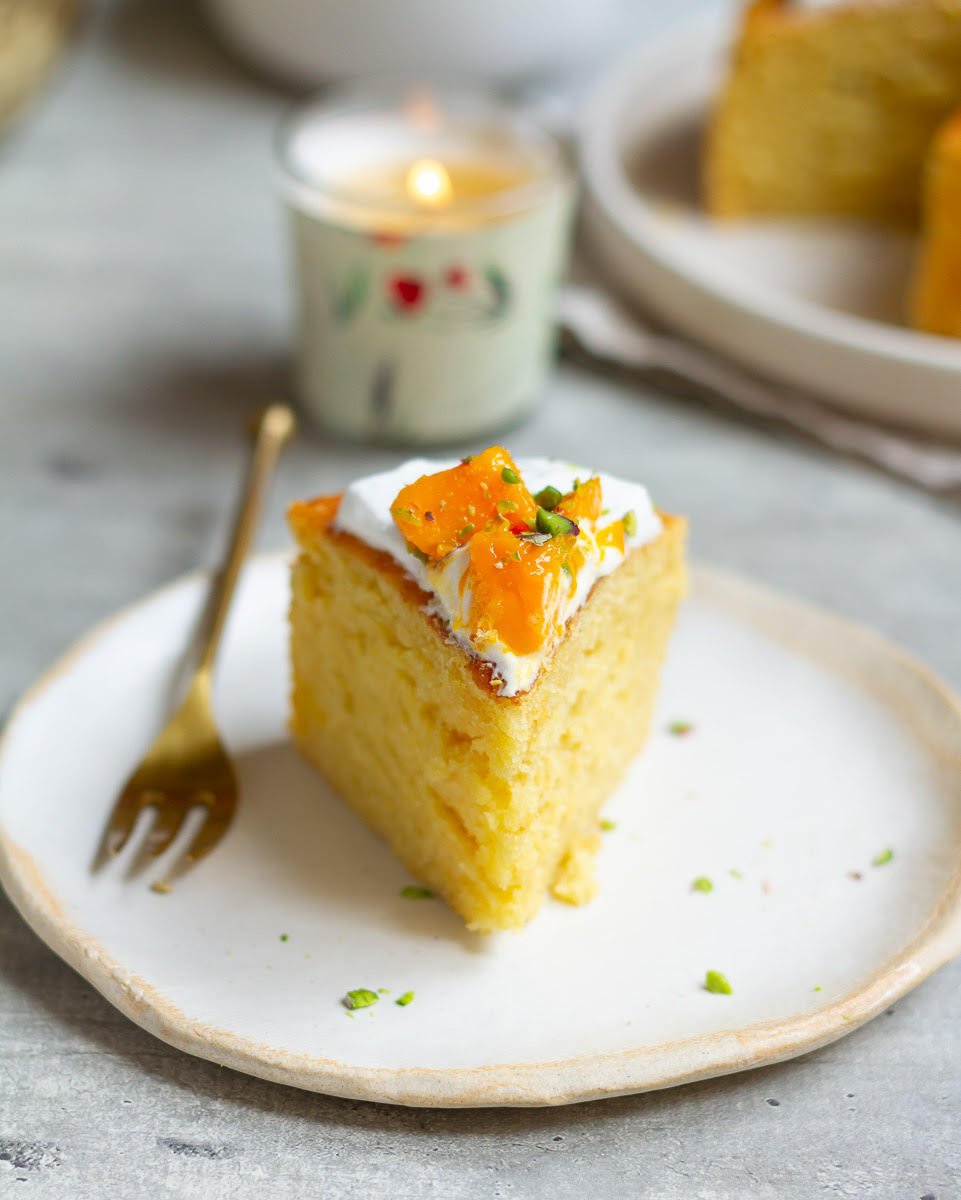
475,653
831,110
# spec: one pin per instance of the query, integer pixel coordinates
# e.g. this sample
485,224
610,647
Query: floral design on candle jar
351,297
405,291
457,294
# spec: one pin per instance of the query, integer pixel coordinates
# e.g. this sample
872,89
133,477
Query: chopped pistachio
468,458
735,873
359,998
630,523
883,858
566,568
702,884
404,514
516,556
509,475
404,1000
417,552
383,991
715,981
553,523
817,988
549,498
608,826
506,506
285,937
679,728
466,531
414,892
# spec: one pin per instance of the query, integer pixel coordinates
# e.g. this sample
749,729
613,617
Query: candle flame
428,183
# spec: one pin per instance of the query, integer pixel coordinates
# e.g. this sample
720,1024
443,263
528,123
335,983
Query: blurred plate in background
816,304
314,41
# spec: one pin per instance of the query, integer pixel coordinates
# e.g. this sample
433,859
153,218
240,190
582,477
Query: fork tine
208,835
117,831
168,824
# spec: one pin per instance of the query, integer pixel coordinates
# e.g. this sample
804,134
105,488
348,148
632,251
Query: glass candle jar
430,233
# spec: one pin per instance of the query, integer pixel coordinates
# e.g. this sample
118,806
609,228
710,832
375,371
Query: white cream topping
365,513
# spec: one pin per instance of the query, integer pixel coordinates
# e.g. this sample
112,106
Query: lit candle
428,182
428,238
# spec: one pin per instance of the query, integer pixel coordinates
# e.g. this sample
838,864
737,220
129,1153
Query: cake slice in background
935,304
474,669
831,110
32,37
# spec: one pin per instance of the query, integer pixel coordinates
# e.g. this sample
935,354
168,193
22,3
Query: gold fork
187,767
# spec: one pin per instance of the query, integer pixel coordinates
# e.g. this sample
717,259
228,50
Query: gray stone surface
142,313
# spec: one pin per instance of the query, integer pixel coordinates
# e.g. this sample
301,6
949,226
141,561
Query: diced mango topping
517,585
584,503
437,513
612,535
311,517
525,553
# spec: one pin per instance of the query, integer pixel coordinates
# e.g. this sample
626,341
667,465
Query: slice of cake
475,655
831,110
935,304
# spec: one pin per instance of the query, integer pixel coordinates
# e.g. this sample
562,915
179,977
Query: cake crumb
576,882
161,887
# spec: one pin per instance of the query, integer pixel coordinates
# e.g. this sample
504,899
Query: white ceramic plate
817,304
815,747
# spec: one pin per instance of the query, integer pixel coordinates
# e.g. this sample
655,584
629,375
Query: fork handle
274,426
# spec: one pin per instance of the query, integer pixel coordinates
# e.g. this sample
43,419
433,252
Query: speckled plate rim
932,710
